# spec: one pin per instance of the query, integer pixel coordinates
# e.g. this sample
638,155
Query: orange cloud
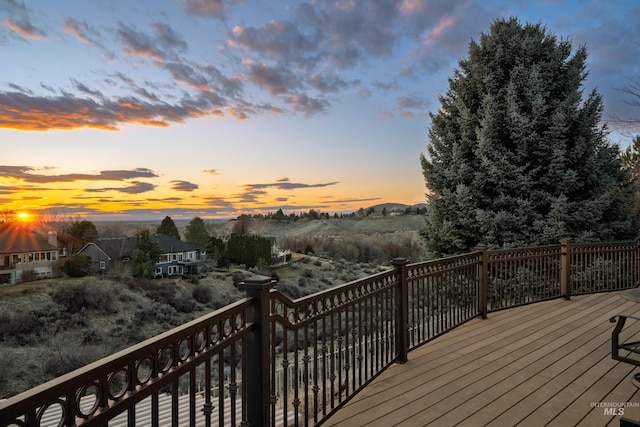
443,26
26,30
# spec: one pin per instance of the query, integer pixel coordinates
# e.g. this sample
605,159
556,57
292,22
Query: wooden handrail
282,361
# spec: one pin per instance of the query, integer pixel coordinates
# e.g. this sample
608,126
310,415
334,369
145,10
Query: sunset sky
118,109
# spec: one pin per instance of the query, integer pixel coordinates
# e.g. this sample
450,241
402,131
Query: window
175,269
103,265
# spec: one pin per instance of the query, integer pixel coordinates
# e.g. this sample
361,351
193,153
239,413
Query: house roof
17,239
116,247
169,244
121,247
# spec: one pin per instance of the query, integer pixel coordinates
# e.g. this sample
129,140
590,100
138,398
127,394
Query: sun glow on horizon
25,216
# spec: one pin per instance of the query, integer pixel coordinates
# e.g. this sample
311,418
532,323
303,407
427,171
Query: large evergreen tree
515,155
145,255
168,228
197,232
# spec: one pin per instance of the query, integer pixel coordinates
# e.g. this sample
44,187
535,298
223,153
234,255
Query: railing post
565,268
483,277
402,313
256,379
636,262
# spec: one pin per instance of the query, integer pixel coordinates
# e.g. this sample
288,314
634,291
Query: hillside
49,327
328,227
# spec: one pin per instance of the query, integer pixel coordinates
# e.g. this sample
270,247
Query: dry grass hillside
49,327
329,227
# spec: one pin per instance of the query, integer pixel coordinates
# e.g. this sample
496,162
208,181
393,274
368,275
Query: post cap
399,261
257,282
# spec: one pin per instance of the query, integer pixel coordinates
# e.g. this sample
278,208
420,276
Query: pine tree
631,162
197,232
168,228
145,255
516,156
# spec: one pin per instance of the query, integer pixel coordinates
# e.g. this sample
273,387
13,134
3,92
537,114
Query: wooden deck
543,364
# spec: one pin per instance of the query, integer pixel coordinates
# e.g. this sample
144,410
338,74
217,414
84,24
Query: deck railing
270,360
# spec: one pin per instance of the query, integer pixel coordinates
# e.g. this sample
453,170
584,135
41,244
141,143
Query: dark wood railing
270,360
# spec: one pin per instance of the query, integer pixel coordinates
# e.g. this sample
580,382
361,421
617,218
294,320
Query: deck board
547,363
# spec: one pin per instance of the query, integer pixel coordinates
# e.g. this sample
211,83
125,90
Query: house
178,258
110,254
26,254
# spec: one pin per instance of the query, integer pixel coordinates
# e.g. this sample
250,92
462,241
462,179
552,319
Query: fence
270,360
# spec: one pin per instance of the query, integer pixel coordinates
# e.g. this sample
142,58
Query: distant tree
145,255
249,250
384,211
217,248
7,216
197,232
113,230
83,230
51,219
241,226
279,216
515,155
168,228
631,162
631,97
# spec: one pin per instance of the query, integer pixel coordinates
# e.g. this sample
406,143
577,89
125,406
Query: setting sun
24,216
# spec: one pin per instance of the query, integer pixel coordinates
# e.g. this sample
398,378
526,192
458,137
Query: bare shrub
376,248
202,294
74,298
20,328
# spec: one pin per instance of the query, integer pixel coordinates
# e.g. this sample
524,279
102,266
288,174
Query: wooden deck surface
547,363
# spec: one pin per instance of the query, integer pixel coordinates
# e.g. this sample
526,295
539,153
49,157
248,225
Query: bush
21,328
202,294
183,305
291,291
65,359
74,298
78,265
163,314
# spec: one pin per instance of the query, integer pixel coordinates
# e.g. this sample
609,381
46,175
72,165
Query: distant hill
357,225
395,207
374,224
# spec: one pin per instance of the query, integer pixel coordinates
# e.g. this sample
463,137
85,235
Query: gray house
178,258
